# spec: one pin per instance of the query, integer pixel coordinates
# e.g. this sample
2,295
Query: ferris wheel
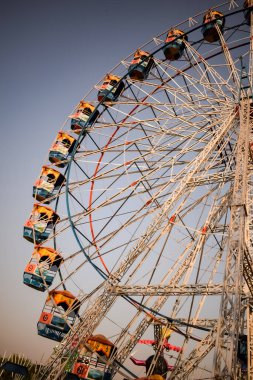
141,224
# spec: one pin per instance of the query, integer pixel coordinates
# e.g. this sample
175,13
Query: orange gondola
58,315
111,88
140,65
175,44
40,224
61,148
87,363
42,268
85,116
212,20
48,184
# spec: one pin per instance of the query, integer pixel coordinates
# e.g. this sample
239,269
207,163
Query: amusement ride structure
142,222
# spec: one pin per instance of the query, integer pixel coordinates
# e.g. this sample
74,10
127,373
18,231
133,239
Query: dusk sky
52,53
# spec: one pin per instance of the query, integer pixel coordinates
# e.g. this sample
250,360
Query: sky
52,53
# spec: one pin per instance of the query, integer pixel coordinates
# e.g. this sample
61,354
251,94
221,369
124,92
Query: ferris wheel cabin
58,315
48,184
140,65
85,116
175,44
212,20
42,268
111,88
61,148
88,364
40,224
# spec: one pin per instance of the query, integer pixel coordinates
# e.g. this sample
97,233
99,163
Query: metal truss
190,364
211,178
202,322
230,314
194,250
175,290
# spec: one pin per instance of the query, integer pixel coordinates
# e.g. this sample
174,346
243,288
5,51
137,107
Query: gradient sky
52,53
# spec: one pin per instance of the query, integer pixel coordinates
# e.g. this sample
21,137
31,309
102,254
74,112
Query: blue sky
52,53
